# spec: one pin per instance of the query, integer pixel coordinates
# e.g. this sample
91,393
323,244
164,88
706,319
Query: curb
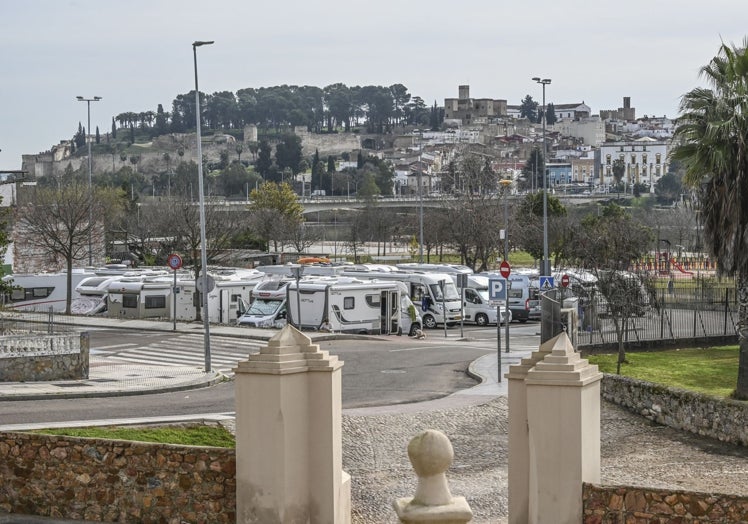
214,379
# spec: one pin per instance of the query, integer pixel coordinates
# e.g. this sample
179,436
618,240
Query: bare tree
59,221
606,245
180,219
474,216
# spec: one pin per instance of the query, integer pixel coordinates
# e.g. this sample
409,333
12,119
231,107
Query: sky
136,54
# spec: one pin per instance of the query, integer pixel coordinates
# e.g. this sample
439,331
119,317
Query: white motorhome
268,306
478,307
42,291
155,297
425,291
523,294
349,305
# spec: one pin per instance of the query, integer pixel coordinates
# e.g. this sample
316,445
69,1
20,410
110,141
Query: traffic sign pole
505,269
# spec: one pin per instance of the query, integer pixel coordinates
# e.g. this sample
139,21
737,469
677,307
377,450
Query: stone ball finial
431,454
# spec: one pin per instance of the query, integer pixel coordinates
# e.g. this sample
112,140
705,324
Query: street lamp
420,201
88,134
546,269
203,245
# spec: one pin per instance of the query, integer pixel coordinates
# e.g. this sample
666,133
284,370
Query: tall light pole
420,201
546,269
506,184
90,188
203,245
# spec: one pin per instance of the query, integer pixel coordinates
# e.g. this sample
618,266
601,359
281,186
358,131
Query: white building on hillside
645,161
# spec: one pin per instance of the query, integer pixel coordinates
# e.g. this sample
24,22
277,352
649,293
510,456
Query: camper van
268,306
477,306
349,305
155,297
431,292
523,295
42,291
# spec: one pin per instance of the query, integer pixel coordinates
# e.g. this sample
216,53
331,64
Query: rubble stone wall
615,505
718,418
116,481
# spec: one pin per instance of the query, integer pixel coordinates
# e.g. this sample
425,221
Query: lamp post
546,269
90,188
420,202
203,252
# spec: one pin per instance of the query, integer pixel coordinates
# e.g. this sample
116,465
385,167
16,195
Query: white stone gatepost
519,445
563,415
289,435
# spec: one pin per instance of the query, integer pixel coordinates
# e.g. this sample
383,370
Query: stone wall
616,505
713,417
332,144
116,481
30,358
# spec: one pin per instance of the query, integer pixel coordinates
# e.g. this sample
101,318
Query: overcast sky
136,54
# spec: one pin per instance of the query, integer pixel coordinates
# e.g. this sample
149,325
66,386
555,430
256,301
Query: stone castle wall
713,417
34,357
616,505
116,481
151,156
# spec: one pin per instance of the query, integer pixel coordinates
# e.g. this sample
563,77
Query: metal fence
15,322
692,310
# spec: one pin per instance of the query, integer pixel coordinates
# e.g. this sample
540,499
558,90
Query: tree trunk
741,390
69,285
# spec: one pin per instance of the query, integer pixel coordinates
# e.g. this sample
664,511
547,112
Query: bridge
337,203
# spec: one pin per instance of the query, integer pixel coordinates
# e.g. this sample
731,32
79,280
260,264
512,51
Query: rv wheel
429,321
414,327
481,319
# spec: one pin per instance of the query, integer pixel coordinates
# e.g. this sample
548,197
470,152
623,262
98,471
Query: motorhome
432,292
42,291
268,305
156,297
523,295
477,305
349,305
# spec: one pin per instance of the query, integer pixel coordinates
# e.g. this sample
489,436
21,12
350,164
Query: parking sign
497,289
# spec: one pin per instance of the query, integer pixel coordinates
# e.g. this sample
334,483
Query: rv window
235,298
373,300
18,294
41,292
155,302
349,303
515,292
130,301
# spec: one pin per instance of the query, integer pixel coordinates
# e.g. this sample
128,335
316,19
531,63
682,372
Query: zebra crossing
180,350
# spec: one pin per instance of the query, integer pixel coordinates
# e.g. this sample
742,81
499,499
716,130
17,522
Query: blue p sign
497,289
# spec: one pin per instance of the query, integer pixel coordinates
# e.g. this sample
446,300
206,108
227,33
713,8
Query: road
378,371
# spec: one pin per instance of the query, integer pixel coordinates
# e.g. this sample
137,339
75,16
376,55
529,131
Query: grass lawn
713,371
216,436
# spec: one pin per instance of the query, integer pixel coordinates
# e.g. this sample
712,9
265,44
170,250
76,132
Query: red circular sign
565,280
505,269
174,261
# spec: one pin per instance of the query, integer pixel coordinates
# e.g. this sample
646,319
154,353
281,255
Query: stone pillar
519,448
563,414
431,455
289,435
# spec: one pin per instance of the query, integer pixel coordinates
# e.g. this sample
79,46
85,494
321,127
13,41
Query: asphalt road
378,371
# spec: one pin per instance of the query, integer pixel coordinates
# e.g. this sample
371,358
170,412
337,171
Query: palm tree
713,131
